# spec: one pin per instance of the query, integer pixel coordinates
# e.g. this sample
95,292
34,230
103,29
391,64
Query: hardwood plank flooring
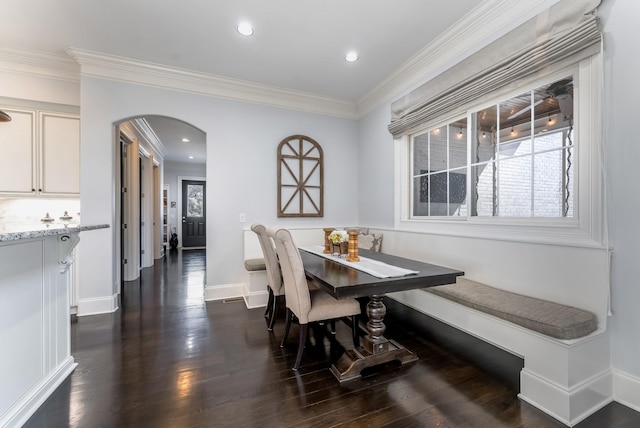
168,359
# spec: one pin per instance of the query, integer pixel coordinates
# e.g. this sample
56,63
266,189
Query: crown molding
142,127
139,130
487,22
95,64
39,64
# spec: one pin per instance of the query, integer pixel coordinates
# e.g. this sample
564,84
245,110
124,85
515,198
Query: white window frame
585,229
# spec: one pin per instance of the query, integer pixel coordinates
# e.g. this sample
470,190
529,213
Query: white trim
33,399
95,64
98,305
581,401
148,135
39,64
255,299
223,292
626,389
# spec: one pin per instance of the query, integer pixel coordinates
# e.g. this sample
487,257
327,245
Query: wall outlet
243,217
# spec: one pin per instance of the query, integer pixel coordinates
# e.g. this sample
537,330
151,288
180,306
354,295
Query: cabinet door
17,153
60,154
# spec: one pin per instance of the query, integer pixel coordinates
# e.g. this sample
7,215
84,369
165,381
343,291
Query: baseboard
33,399
626,389
98,305
569,406
255,299
223,291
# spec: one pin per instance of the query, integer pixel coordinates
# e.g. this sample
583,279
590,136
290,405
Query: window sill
567,233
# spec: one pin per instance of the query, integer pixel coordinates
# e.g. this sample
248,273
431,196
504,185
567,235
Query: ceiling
297,45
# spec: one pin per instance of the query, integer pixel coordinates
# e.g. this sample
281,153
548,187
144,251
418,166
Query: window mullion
533,154
496,164
429,171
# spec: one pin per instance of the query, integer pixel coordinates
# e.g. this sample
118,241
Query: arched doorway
152,152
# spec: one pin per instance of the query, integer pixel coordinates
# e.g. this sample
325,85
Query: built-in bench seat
565,350
549,318
255,286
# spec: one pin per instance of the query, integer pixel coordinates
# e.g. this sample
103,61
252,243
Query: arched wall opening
150,150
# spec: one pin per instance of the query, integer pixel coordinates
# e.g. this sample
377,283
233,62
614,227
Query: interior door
194,213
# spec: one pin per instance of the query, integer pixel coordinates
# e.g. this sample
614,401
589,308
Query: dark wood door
194,215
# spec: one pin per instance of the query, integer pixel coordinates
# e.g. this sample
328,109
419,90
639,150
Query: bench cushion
254,265
552,319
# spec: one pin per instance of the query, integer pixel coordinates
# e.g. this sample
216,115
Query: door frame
182,178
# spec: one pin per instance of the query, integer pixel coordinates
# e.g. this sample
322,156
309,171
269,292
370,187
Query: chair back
295,282
274,276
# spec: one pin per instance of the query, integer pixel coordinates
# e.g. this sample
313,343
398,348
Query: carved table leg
376,348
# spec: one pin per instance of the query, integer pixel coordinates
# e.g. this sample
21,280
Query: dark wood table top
344,282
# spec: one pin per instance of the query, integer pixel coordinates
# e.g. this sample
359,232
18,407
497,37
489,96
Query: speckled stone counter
17,231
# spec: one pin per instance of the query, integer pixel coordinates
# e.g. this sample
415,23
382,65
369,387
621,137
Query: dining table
375,275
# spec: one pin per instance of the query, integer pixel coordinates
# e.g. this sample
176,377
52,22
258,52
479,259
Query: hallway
167,359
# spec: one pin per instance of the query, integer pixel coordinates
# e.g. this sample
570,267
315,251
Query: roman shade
562,35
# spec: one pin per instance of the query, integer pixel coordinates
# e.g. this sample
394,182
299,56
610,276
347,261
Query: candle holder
352,255
327,243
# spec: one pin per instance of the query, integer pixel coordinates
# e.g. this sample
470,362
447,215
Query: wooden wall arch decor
300,177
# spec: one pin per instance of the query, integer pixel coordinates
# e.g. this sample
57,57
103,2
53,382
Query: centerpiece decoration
339,242
353,246
327,244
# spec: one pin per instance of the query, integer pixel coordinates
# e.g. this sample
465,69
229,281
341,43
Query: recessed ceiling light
351,56
190,157
245,28
185,140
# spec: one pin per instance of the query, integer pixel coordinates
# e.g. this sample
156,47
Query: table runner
370,266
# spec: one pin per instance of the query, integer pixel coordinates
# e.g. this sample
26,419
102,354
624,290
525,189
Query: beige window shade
562,35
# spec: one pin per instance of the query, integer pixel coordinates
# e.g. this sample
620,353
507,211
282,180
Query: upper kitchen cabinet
59,154
40,154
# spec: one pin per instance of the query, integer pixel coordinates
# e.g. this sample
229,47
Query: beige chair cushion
326,307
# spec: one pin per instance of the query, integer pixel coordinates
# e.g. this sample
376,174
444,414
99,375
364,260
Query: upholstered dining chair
307,305
274,276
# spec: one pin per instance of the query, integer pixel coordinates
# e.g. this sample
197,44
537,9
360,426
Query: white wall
622,92
242,140
375,169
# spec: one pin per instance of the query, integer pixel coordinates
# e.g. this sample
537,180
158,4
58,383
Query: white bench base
567,379
255,289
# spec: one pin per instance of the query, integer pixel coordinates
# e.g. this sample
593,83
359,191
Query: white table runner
370,266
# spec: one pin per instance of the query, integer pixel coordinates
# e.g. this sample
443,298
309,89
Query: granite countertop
17,232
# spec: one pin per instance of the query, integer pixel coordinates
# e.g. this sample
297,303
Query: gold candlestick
352,256
327,244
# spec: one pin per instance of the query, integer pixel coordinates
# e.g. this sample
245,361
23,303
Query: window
515,157
440,171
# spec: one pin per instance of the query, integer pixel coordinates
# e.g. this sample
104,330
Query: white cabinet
34,326
59,154
18,145
41,154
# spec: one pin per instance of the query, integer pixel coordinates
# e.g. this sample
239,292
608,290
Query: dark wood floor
166,359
